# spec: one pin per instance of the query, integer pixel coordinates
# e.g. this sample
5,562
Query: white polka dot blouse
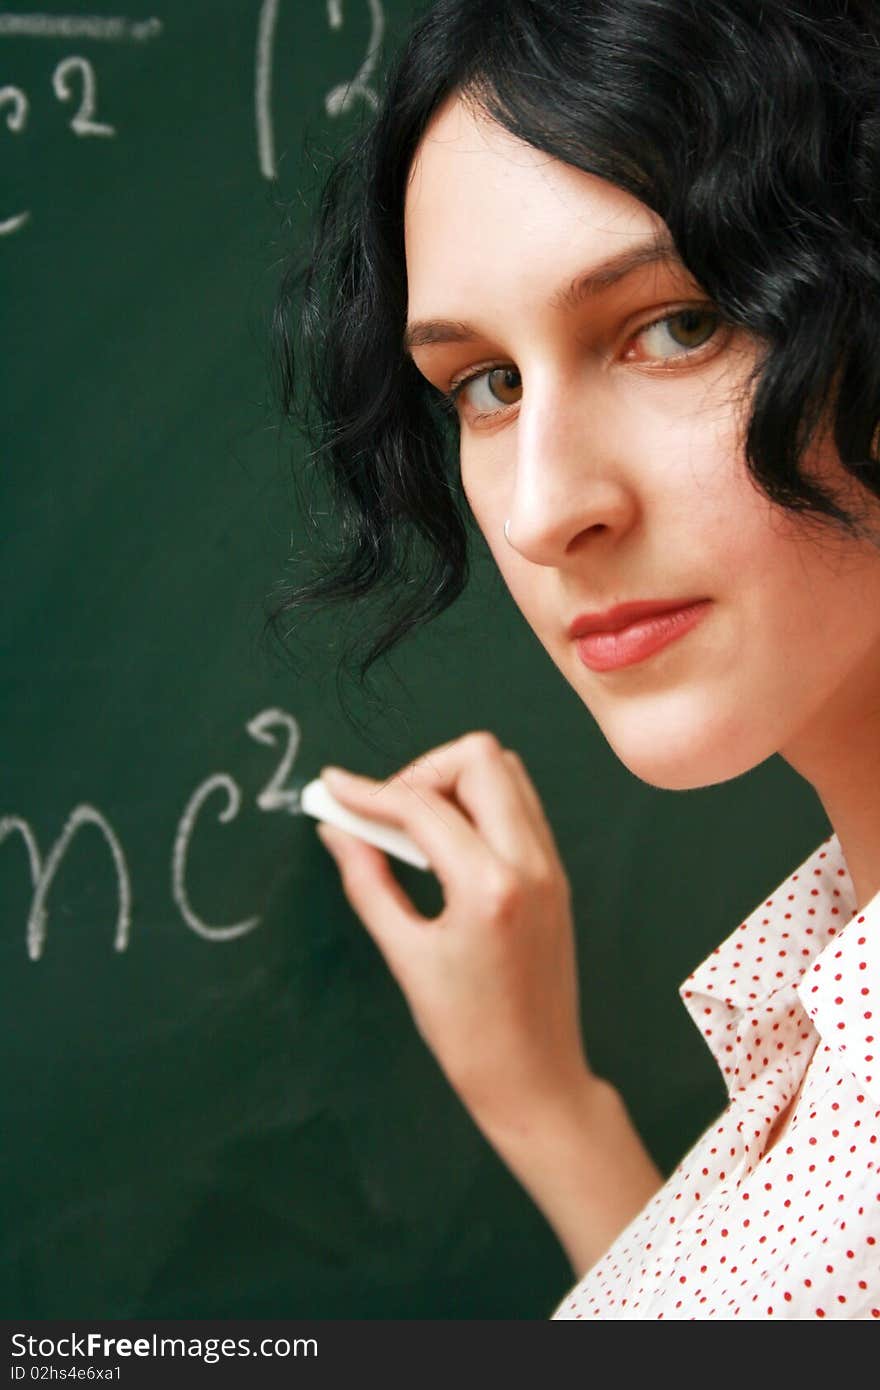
790,1228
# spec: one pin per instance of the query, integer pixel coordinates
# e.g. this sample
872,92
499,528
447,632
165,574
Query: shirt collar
805,940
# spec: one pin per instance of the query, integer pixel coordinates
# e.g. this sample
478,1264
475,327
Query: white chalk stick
316,800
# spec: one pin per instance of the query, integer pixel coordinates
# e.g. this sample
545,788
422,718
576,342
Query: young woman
607,273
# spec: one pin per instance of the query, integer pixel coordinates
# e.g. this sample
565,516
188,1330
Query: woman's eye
492,390
679,333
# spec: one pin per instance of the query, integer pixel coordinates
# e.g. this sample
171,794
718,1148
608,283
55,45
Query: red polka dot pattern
786,1002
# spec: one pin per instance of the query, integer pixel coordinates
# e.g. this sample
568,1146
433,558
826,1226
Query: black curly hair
752,127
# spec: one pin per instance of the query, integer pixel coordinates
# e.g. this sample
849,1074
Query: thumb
374,893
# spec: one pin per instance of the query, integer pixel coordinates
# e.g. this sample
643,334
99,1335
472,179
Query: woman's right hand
491,981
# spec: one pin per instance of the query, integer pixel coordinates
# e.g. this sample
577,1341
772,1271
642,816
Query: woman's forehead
461,126
482,205
464,152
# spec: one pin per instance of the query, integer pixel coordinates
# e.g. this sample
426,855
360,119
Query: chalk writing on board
77,26
75,76
72,78
16,116
64,83
263,88
43,872
275,796
340,99
221,781
343,97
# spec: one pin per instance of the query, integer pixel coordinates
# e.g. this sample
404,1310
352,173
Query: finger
469,772
533,801
373,892
454,849
490,782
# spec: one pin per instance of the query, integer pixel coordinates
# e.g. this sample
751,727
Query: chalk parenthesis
263,88
220,781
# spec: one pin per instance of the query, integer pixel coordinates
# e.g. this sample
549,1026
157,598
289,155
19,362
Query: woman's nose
571,483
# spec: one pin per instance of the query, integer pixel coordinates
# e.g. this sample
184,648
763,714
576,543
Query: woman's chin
686,759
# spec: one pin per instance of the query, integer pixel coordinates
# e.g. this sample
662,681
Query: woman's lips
606,651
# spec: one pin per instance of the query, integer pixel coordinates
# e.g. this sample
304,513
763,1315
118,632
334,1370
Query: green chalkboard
214,1100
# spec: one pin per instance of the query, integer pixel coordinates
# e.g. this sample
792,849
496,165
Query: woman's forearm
492,981
582,1162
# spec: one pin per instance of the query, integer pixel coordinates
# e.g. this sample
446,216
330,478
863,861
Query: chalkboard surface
214,1100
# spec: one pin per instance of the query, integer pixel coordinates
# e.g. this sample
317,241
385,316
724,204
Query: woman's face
601,416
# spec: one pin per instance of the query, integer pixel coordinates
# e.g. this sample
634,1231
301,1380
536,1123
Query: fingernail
334,776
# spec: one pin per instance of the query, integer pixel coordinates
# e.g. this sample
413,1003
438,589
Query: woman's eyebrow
427,332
